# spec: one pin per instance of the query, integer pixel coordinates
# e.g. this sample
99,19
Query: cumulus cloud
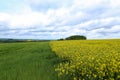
58,19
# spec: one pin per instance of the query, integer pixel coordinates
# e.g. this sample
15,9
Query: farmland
88,60
27,61
60,60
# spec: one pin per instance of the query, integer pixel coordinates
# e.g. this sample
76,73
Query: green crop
27,61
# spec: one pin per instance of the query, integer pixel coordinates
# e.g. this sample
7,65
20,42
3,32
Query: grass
27,61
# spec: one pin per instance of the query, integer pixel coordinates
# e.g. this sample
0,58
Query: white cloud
93,18
83,4
28,20
115,28
25,20
115,3
4,17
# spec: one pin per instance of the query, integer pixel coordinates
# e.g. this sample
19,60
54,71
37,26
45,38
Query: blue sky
54,19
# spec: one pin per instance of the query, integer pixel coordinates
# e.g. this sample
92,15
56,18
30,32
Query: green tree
76,37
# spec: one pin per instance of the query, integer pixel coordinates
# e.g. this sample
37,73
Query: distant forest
20,40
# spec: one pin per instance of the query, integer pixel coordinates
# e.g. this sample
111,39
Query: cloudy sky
54,19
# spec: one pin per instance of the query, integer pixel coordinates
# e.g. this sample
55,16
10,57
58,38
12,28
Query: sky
55,19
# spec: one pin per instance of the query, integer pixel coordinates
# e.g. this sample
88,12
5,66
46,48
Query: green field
60,60
27,61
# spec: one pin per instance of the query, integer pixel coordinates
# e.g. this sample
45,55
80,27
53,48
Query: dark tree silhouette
76,37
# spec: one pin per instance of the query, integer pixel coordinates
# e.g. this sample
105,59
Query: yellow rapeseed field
88,59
